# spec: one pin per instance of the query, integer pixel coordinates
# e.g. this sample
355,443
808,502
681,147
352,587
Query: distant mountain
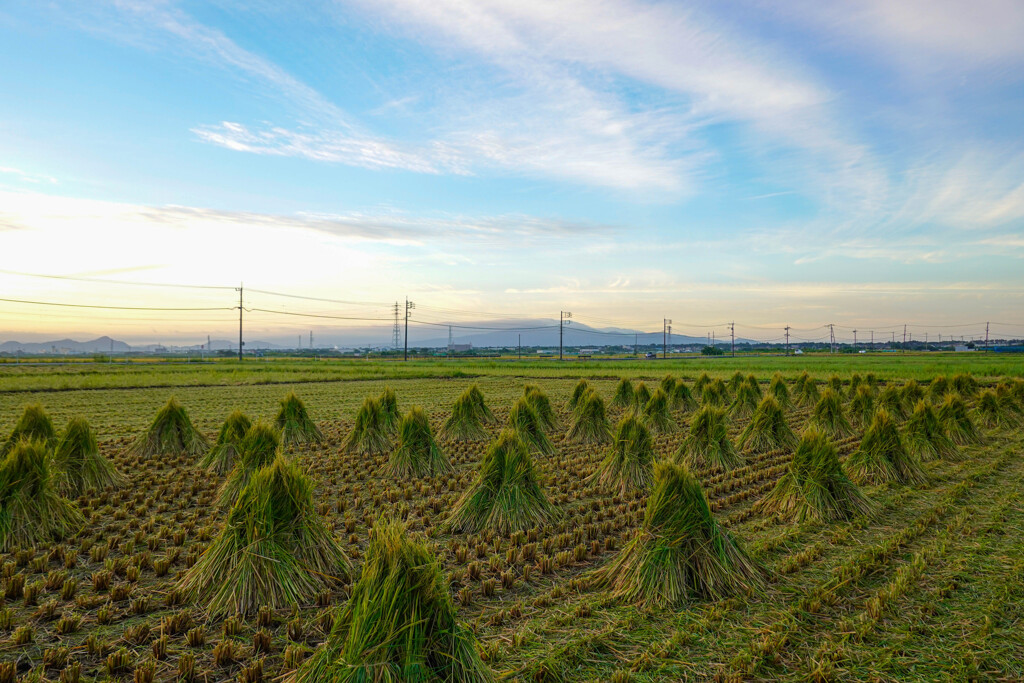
100,345
539,332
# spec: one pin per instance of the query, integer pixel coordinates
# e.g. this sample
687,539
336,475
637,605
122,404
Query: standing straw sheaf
911,393
274,549
257,449
578,392
220,459
745,402
667,384
855,381
170,433
862,406
657,415
33,425
294,422
641,395
767,430
399,625
623,397
369,434
835,383
417,453
807,393
957,422
525,422
777,388
702,381
924,437
682,398
466,423
993,411
389,413
590,424
736,381
629,464
680,552
77,462
32,512
541,405
714,395
828,416
708,444
891,400
938,388
815,486
506,495
476,397
965,385
882,457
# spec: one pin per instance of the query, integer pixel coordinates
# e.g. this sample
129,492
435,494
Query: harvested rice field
720,526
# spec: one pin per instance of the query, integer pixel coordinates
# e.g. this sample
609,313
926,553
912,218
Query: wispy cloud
25,176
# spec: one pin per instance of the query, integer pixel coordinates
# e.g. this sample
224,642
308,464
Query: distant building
960,348
460,348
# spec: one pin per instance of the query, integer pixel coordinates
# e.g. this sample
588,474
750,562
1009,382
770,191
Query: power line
76,278
119,308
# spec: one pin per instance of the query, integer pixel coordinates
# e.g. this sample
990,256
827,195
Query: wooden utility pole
665,327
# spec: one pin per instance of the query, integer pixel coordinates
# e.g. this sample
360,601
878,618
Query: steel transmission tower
396,334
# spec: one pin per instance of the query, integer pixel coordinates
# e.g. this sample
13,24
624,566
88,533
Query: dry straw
541,405
815,486
777,388
862,406
170,433
296,426
32,512
629,464
957,422
221,458
33,425
506,495
466,423
882,457
924,437
274,549
828,416
400,623
417,453
680,553
623,397
369,434
767,429
708,444
657,415
590,424
525,422
257,449
78,464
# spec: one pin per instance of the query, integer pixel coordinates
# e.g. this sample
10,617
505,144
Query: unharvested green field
85,375
932,589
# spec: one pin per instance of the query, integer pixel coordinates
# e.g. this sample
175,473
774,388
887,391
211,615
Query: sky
770,163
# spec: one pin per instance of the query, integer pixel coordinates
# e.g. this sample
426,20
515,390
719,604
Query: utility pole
635,337
986,337
855,339
311,340
904,337
665,322
732,335
240,342
787,340
408,307
872,339
520,346
831,338
562,318
396,332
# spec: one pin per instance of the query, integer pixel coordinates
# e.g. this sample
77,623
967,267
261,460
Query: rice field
911,568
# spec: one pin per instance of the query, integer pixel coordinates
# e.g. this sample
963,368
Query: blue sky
798,163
